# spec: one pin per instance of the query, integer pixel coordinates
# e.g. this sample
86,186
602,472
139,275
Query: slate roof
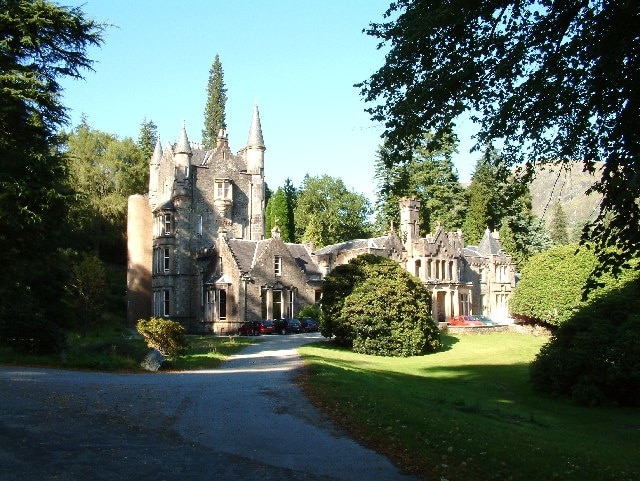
373,243
488,245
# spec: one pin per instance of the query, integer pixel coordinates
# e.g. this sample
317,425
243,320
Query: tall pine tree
214,112
425,173
558,225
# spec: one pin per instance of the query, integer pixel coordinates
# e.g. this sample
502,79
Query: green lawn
468,413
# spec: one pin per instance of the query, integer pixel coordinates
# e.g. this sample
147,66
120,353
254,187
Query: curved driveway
245,421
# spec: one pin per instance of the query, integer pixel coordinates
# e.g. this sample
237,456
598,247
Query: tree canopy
40,43
424,172
327,212
554,82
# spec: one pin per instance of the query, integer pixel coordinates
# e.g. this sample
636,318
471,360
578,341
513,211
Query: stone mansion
198,254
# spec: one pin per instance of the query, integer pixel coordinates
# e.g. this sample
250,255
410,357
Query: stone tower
194,196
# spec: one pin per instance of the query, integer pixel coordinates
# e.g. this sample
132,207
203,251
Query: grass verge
468,412
119,351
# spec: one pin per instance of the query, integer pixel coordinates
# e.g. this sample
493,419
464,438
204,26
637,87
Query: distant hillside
569,186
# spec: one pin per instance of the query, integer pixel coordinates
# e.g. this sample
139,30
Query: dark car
464,321
249,329
309,325
286,326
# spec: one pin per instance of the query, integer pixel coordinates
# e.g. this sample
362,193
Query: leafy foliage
550,289
312,310
103,172
424,172
326,212
558,225
279,211
87,288
40,42
215,109
556,81
373,305
166,336
594,357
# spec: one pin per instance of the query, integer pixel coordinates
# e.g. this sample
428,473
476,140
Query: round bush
165,335
376,307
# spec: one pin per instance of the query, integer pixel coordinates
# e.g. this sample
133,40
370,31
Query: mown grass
118,350
469,413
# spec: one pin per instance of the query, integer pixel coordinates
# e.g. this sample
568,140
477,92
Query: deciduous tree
327,212
555,81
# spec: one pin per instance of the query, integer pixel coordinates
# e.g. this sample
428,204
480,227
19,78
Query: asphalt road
245,421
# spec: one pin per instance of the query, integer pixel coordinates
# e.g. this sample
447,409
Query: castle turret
255,145
154,174
409,222
182,155
182,162
254,155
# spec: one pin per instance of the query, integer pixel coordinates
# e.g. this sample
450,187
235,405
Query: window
166,258
199,231
166,303
291,302
277,265
223,189
465,304
167,224
223,304
417,268
277,305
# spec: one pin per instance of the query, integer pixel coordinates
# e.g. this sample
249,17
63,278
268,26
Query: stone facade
197,249
462,279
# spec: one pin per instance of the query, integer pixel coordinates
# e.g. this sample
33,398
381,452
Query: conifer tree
558,225
214,112
147,138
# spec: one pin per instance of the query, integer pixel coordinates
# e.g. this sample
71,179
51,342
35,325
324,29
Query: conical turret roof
255,131
157,153
183,147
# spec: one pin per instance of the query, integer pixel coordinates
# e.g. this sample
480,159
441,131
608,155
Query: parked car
309,325
464,321
286,326
267,327
484,320
251,328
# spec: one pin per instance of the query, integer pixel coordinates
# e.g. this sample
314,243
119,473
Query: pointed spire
255,131
183,147
157,153
488,245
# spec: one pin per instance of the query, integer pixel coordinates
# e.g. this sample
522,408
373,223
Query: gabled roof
303,258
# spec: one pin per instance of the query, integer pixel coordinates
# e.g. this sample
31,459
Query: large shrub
376,307
594,357
551,287
165,335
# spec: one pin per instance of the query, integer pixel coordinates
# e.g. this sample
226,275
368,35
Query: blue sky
297,60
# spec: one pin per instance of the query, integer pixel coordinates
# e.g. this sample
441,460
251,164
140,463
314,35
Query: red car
255,328
464,321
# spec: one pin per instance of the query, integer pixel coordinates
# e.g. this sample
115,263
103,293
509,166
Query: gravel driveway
245,421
